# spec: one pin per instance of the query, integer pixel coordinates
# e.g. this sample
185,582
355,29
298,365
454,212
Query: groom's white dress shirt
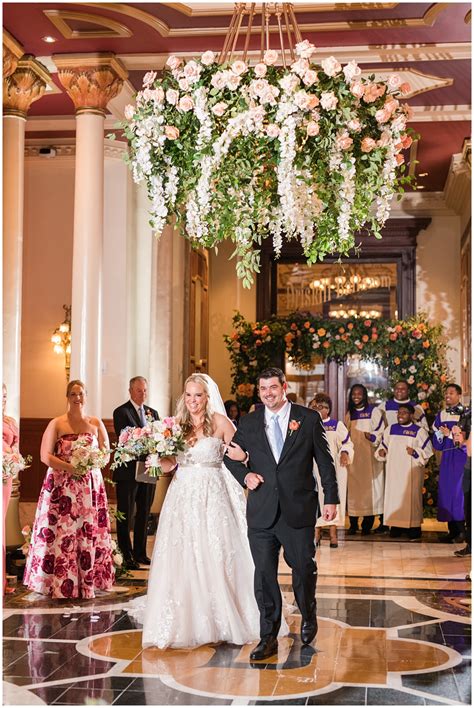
283,420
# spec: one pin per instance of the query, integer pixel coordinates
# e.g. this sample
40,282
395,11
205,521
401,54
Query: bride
200,588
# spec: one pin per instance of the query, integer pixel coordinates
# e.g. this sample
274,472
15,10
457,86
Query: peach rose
171,132
357,89
343,141
321,332
186,104
174,62
310,77
399,159
239,67
367,145
219,109
260,70
405,88
382,115
354,125
192,71
272,130
312,129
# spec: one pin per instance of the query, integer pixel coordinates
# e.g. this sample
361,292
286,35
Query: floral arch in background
412,350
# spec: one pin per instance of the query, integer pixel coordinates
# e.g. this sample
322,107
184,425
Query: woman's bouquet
26,533
161,438
85,457
13,463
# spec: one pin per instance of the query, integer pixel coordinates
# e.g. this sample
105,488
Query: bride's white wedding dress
200,588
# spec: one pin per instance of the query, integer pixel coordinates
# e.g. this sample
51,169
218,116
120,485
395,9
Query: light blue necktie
278,437
141,415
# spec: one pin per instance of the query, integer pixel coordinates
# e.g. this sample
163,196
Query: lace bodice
206,451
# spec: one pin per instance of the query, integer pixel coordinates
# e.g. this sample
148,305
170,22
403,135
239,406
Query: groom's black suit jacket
125,416
289,483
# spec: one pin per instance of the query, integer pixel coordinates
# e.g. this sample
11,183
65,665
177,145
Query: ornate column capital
12,52
91,80
26,84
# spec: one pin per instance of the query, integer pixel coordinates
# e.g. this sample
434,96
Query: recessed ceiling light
48,39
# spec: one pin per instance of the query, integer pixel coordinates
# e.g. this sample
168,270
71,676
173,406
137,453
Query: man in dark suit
133,495
272,455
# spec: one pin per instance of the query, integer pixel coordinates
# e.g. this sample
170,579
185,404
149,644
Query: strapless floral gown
70,555
200,588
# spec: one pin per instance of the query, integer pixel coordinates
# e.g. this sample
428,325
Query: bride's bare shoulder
220,423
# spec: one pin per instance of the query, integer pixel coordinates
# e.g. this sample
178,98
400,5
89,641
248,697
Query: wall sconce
62,340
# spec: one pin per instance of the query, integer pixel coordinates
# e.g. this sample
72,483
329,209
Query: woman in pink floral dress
71,551
9,444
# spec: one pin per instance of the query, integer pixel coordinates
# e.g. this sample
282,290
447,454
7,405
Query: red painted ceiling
373,25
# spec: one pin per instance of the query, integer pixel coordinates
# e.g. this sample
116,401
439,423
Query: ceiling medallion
285,148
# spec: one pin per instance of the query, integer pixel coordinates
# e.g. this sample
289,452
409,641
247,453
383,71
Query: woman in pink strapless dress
71,550
9,444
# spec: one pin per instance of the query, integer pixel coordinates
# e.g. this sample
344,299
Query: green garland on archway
412,349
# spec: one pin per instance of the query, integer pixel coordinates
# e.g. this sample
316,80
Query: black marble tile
116,683
463,677
350,611
426,632
80,665
456,628
391,697
289,702
347,696
12,651
79,696
42,660
440,684
49,694
386,613
461,644
17,680
84,625
156,693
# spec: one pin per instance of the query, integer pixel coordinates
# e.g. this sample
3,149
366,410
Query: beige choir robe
390,410
365,476
339,441
404,474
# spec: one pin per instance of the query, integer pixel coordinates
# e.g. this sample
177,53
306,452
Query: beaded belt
200,466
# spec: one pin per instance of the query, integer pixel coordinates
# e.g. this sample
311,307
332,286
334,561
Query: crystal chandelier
273,16
61,338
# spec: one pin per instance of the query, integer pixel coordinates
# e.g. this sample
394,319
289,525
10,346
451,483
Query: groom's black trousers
299,553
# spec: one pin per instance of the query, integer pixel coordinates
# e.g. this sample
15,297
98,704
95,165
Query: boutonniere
149,417
293,425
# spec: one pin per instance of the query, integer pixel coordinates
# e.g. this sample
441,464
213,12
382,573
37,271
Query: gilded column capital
91,80
12,52
25,85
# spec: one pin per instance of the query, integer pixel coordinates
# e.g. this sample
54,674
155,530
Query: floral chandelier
242,150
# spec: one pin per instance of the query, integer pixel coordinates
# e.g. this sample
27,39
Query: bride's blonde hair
183,415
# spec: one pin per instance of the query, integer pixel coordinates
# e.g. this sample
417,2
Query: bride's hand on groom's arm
167,464
235,452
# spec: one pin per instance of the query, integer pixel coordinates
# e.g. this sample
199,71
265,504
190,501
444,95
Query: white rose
218,80
421,395
173,62
394,81
354,125
300,67
149,78
289,83
305,49
312,128
172,96
117,559
158,95
272,130
260,70
328,100
186,104
219,109
183,84
208,58
232,81
310,77
270,57
192,71
331,66
351,70
239,67
301,99
129,112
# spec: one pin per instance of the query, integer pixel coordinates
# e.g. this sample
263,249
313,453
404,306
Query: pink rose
331,66
272,130
260,70
357,89
239,67
270,57
186,104
312,129
171,132
174,62
208,58
310,77
219,109
367,145
172,96
328,100
149,78
183,84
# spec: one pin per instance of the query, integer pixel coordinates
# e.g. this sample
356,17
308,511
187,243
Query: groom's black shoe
308,629
143,560
267,646
131,563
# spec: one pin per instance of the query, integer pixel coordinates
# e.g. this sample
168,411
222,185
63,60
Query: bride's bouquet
85,457
13,463
161,438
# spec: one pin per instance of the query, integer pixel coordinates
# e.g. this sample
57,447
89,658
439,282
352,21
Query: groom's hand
253,480
329,512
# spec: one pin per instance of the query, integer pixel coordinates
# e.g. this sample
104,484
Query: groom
272,455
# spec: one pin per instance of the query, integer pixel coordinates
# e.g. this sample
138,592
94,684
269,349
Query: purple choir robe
451,471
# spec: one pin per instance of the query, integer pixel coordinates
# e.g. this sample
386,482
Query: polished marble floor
394,629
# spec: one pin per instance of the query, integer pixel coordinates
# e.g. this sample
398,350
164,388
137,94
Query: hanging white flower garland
239,152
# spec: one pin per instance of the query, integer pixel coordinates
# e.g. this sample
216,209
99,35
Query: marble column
24,81
91,82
